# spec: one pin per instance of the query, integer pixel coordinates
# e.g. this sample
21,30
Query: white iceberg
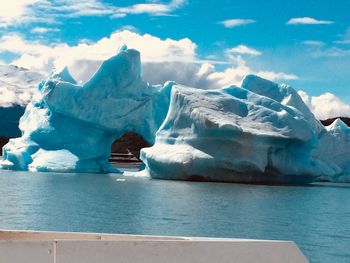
259,133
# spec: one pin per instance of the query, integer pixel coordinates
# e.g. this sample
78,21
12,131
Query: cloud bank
163,60
172,59
17,12
326,105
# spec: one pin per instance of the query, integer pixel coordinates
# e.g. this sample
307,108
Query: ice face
262,133
70,128
283,94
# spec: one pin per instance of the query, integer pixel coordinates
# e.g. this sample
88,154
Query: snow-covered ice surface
70,128
334,148
260,132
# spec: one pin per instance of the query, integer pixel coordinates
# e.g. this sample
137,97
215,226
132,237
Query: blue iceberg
260,132
70,128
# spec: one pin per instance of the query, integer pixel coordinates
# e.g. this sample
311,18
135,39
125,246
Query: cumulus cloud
41,57
230,23
326,105
163,59
308,21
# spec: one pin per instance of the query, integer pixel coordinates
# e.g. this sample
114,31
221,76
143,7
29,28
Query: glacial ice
334,148
260,132
70,127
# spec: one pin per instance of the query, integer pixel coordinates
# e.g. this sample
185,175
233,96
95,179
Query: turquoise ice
69,127
260,132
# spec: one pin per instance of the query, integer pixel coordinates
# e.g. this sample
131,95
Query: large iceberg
258,133
69,127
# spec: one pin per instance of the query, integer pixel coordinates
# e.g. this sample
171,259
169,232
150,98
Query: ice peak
63,75
123,48
338,125
262,87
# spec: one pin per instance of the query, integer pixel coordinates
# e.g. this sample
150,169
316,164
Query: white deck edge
17,246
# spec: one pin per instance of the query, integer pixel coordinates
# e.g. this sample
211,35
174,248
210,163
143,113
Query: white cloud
229,23
234,75
156,9
230,76
40,57
308,21
326,105
276,75
163,59
43,30
16,12
243,50
14,9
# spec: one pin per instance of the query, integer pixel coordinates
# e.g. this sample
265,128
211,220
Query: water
316,217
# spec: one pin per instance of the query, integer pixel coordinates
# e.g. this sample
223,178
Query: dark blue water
317,217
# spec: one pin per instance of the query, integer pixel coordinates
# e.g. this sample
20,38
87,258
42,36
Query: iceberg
258,133
70,128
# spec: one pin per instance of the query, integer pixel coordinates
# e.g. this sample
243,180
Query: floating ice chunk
262,133
70,127
57,161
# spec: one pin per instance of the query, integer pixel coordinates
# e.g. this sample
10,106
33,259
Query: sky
205,44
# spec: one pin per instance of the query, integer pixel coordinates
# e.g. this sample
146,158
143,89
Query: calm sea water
316,217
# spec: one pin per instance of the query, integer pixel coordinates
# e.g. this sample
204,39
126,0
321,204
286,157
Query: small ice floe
120,180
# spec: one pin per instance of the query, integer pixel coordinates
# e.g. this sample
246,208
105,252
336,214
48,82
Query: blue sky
302,43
